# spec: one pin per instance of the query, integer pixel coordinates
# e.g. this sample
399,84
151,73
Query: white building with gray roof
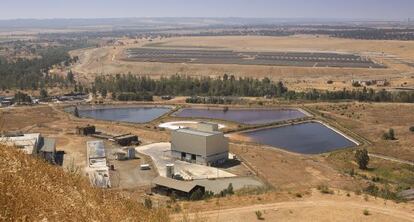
204,145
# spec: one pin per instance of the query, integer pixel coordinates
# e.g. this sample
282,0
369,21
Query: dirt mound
32,190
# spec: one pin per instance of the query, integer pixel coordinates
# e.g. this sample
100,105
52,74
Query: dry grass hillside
32,190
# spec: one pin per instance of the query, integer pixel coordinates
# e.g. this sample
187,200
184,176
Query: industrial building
28,143
127,139
168,186
32,144
97,167
86,130
204,145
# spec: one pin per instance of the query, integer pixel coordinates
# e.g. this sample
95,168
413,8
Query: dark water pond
307,138
245,116
125,114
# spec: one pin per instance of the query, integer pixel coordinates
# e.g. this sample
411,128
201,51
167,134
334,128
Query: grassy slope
33,190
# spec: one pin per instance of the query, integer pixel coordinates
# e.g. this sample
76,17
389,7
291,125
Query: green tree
70,77
21,97
362,158
104,93
43,93
230,189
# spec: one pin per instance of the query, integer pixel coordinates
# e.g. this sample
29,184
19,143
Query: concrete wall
208,127
188,143
217,144
208,149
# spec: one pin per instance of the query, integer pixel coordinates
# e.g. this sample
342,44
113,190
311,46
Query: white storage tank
170,170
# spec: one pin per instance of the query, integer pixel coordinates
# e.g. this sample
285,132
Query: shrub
366,212
259,215
356,84
208,194
197,195
384,193
148,203
325,189
390,135
412,129
228,191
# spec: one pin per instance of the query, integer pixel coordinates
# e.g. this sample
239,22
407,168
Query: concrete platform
160,154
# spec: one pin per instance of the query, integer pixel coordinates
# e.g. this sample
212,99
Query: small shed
86,130
182,189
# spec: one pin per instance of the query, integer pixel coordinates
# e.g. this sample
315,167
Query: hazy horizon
283,9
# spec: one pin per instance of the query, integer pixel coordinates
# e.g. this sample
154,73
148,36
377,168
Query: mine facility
300,59
97,168
204,145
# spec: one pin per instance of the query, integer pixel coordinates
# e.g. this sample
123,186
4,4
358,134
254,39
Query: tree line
216,90
178,85
33,73
363,95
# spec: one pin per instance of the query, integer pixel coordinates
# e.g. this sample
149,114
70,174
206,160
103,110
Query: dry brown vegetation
372,120
314,206
289,171
32,190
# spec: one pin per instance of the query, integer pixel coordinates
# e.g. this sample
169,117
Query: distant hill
32,190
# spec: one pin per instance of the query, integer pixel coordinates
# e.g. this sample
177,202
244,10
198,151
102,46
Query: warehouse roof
26,142
96,149
49,145
184,186
198,132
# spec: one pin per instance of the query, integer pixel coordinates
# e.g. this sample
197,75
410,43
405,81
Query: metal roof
95,149
198,132
49,145
27,142
185,186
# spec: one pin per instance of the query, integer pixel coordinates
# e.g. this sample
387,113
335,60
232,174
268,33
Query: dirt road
391,159
310,210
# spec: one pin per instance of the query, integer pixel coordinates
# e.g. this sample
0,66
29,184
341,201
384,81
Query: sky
334,9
